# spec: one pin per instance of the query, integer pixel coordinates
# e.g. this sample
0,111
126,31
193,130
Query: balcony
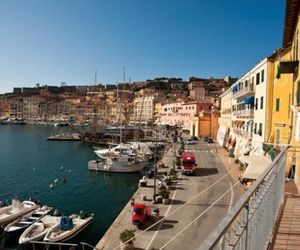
246,113
286,67
244,92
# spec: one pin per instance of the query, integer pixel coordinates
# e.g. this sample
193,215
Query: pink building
180,113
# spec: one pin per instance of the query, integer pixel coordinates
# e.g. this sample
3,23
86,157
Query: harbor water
29,164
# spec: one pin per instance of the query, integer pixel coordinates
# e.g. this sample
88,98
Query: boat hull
95,165
68,235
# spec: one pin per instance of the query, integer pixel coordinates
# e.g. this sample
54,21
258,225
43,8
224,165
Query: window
277,136
260,129
277,104
262,75
256,103
257,78
246,83
261,102
255,127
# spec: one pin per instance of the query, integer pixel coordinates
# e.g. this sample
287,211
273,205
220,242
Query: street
208,171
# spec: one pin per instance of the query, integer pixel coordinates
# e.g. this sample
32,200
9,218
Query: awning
235,88
256,166
249,100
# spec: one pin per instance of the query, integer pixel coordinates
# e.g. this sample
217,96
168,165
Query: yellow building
286,91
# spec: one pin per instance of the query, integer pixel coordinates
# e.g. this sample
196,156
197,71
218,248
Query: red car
140,214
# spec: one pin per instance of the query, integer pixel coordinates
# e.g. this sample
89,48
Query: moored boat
15,210
68,228
18,226
39,229
122,164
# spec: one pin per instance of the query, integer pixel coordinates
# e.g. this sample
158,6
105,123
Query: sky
54,41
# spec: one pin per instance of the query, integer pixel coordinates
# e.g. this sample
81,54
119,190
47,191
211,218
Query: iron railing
37,245
251,222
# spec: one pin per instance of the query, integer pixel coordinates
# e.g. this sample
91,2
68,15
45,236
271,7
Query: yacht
18,226
39,229
68,228
122,164
15,210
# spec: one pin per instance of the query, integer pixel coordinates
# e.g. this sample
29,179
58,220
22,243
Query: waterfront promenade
210,159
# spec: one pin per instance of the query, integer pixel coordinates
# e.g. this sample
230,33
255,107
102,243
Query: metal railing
244,91
37,245
251,222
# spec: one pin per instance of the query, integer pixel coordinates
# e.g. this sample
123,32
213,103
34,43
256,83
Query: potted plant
168,182
126,236
165,196
172,173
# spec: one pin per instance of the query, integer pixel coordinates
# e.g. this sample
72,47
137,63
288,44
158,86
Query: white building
249,110
143,109
224,120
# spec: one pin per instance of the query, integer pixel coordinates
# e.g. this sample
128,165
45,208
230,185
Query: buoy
56,180
70,171
51,186
61,168
33,169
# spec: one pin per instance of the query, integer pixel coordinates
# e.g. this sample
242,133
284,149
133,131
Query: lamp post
211,121
154,184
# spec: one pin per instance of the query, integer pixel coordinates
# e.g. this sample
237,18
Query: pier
64,137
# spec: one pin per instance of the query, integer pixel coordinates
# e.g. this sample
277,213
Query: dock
64,137
143,195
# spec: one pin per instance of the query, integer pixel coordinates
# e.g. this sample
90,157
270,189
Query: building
250,109
143,109
286,95
180,113
224,120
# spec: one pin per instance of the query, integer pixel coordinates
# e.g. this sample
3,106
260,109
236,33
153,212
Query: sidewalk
110,240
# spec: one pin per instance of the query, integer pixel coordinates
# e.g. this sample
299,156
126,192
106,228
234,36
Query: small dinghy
68,227
38,230
17,227
15,210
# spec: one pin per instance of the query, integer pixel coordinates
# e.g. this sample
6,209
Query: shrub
168,181
164,193
126,235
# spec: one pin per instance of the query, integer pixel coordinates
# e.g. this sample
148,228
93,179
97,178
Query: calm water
29,163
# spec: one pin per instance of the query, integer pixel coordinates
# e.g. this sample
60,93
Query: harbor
92,192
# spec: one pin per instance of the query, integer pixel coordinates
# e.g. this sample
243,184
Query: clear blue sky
52,41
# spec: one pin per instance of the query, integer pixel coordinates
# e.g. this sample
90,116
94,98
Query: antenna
124,76
96,71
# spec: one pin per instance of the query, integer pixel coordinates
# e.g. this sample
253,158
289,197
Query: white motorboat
140,149
39,229
122,164
68,228
18,226
15,210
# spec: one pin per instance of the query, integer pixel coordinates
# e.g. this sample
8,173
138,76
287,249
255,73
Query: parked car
206,139
140,214
190,141
210,140
194,138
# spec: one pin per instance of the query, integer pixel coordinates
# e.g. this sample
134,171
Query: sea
29,164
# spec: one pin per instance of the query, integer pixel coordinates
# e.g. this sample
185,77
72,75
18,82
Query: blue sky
52,41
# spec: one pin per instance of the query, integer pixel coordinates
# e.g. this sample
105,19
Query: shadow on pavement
206,171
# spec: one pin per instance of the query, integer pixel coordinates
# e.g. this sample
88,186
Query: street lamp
211,120
154,184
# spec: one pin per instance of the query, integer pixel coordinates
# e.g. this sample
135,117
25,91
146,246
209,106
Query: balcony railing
251,222
246,113
244,92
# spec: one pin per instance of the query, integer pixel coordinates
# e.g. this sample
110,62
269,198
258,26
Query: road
209,170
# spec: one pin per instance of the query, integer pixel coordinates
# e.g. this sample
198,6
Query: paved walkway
288,234
110,240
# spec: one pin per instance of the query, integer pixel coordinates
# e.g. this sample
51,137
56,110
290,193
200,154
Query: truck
188,162
140,214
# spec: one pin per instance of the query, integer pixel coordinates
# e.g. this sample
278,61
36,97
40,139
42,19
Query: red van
188,163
